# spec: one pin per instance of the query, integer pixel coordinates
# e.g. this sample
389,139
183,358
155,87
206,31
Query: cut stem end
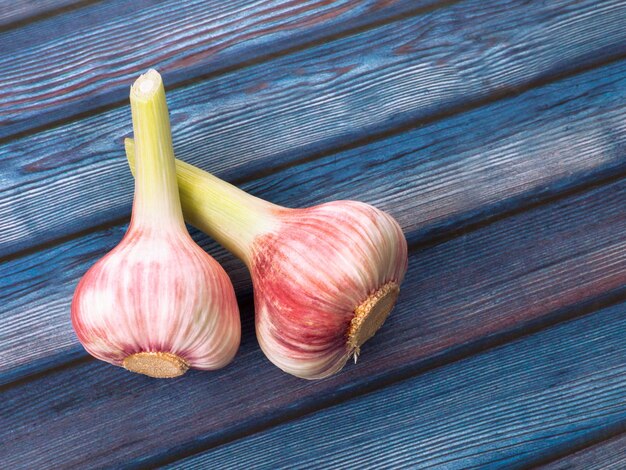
370,315
146,85
160,365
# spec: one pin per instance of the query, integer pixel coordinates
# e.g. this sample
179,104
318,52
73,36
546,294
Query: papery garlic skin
310,276
157,304
325,277
158,292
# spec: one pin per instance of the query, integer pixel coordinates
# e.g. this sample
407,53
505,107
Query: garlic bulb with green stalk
157,304
325,278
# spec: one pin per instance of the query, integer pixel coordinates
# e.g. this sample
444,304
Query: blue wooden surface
183,39
305,105
429,199
574,268
493,130
519,401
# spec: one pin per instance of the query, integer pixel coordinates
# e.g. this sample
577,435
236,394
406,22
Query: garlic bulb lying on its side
325,277
325,280
157,304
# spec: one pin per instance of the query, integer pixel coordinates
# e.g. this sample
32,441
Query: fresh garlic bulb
324,282
157,304
325,278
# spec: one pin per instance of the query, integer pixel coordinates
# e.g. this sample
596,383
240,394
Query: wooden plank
481,287
607,455
506,408
438,178
304,111
13,14
86,59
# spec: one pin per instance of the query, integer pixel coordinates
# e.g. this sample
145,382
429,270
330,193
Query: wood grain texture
607,455
87,58
12,12
439,177
236,128
458,295
504,409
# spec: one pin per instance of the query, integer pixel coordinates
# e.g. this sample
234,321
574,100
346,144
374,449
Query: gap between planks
596,454
446,113
15,20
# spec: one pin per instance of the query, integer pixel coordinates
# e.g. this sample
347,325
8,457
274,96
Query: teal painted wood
538,267
312,105
504,409
433,179
85,59
607,455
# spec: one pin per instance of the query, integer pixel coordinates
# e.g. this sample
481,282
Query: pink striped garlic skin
157,304
158,291
312,274
325,278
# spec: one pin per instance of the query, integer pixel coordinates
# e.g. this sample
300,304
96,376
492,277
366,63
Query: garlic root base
370,315
160,365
